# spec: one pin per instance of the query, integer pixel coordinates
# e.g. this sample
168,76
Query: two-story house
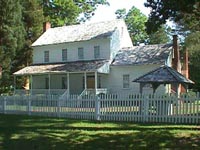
97,57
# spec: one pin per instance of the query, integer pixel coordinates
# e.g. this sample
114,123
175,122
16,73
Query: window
97,52
64,55
46,83
46,56
80,53
64,82
126,81
99,81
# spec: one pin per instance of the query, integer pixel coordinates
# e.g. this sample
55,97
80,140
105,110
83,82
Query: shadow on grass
37,133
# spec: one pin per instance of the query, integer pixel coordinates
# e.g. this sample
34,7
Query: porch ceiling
101,66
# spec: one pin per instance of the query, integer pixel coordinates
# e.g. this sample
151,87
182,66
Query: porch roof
101,66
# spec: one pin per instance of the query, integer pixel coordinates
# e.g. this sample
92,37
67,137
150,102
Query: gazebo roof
163,75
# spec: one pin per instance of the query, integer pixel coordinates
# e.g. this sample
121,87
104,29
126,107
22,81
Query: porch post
96,82
68,82
177,90
31,78
49,84
85,80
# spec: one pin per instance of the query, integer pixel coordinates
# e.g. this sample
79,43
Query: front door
90,82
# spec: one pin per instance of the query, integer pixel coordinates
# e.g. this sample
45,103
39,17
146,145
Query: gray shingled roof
148,54
78,66
74,33
163,75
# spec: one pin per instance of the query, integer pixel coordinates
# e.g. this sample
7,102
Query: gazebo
163,75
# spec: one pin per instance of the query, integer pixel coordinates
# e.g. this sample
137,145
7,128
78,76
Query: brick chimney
46,26
176,64
185,68
176,59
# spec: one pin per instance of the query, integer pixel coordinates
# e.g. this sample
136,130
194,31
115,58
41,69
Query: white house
92,58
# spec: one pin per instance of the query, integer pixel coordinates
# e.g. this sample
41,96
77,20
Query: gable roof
81,32
148,54
77,66
163,74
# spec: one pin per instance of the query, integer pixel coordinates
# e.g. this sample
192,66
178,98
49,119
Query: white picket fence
129,107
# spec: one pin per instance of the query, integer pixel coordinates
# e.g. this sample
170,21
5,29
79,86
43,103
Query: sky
104,13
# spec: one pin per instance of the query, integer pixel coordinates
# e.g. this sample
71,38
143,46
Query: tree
32,18
121,13
161,36
135,21
11,40
193,45
67,12
186,13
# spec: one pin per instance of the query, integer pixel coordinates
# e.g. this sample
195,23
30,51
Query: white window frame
96,52
46,56
64,54
80,53
126,81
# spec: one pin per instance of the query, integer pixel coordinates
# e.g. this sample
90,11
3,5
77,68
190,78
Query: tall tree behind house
11,40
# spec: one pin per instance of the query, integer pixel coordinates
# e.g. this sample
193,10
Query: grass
42,133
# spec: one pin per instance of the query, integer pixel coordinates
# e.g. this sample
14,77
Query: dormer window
46,56
80,53
64,54
96,52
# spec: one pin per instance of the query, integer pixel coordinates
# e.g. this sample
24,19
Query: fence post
97,108
29,106
4,105
146,108
58,107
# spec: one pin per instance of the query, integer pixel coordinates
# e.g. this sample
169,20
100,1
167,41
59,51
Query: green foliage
67,12
136,25
121,13
87,7
11,40
160,36
192,43
135,21
61,12
185,13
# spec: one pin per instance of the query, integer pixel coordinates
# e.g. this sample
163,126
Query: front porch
65,78
85,83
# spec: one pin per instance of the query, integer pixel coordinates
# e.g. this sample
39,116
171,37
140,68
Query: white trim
95,75
49,76
85,80
68,82
31,78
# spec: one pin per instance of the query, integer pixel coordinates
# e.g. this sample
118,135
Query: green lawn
19,132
